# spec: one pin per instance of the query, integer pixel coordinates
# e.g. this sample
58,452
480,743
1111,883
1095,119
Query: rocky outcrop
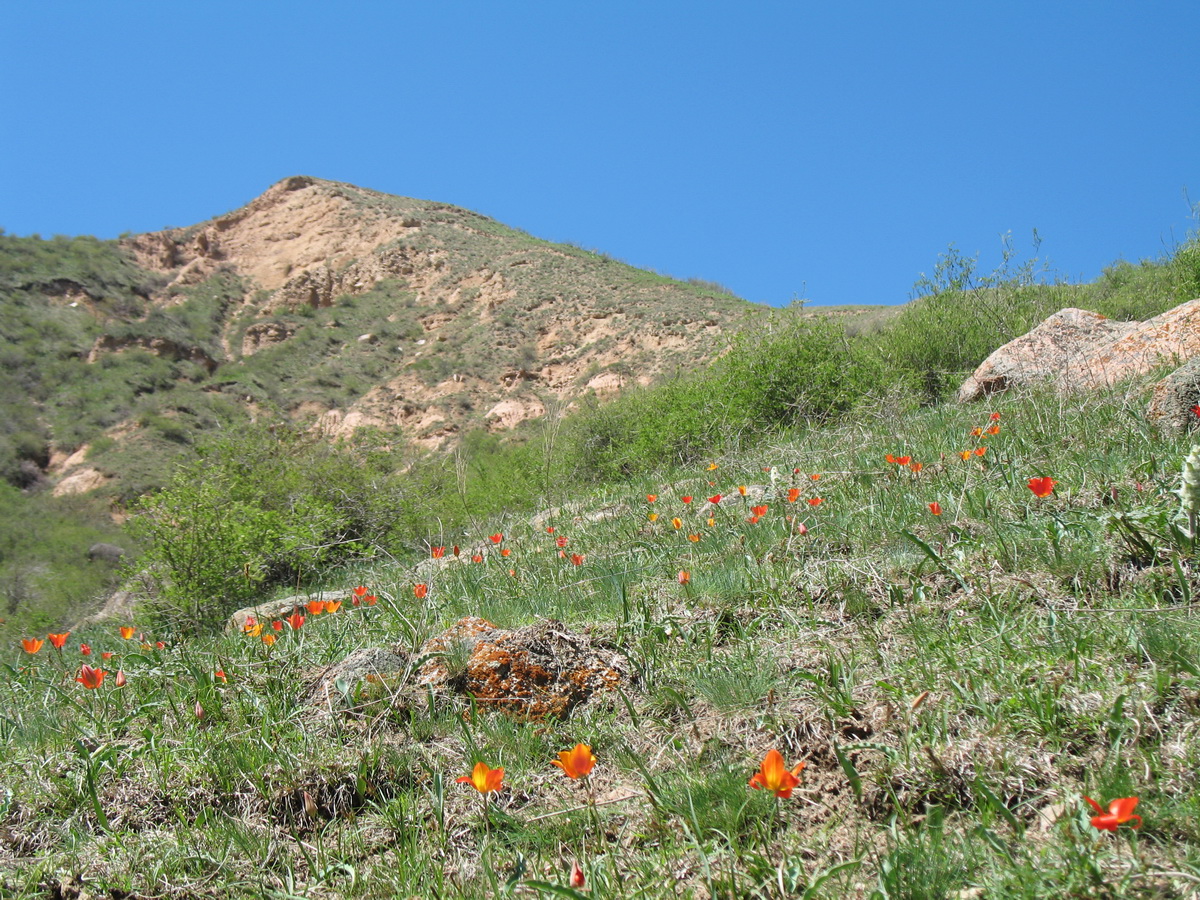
1079,350
1176,396
540,671
164,347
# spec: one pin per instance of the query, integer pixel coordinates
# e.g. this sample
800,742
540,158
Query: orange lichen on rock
539,671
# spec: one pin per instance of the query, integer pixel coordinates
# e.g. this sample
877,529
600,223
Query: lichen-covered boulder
540,671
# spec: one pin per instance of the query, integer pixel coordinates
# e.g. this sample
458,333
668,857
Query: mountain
325,303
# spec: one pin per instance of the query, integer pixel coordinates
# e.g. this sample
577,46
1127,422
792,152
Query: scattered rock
1173,398
110,553
265,334
539,671
1081,350
334,685
277,609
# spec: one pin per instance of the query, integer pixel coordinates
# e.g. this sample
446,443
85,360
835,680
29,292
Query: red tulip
773,775
85,649
296,620
714,499
814,501
420,591
576,559
1042,487
1119,812
57,640
759,511
437,552
577,880
684,576
497,538
686,499
90,678
484,778
935,508
793,495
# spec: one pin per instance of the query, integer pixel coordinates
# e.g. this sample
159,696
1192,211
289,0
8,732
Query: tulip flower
90,678
120,682
497,538
1119,812
106,654
455,550
437,552
773,775
85,649
995,417
935,508
686,499
127,631
753,520
916,467
694,538
714,499
684,576
965,455
677,523
576,762
576,880
815,501
315,607
1041,487
576,559
32,645
759,511
477,558
742,489
653,517
252,628
360,592
277,625
560,541
370,600
815,477
296,620
976,432
710,521
979,451
712,467
332,606
994,430
57,640
159,645
484,778
269,639
902,460
793,495
650,498
420,591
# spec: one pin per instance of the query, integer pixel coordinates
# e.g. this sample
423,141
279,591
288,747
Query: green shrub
262,508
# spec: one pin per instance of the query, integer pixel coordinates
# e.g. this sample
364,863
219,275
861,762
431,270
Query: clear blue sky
829,150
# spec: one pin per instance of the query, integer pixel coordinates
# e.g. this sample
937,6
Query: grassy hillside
955,683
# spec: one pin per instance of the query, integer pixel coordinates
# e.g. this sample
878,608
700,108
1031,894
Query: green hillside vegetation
963,620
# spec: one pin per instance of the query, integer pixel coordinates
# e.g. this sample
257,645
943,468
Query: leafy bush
262,508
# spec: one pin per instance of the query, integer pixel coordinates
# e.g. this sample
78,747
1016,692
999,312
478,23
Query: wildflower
712,467
753,520
332,606
684,576
773,775
815,477
890,458
759,511
653,517
90,678
965,455
710,521
252,628
742,489
576,559
219,674
106,654
477,558
269,639
714,499
979,451
455,550
420,591
296,620
360,592
994,430
549,529
159,645
32,645
994,417
576,762
496,538
677,522
976,432
576,880
512,573
437,552
120,682
793,495
694,538
801,529
903,460
85,649
650,498
505,552
199,710
483,778
1042,487
916,467
277,625
127,631
57,640
935,508
560,542
815,501
687,499
315,607
370,599
1119,812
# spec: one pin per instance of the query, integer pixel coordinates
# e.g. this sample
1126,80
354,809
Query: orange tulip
694,538
650,498
1041,487
506,552
979,451
976,432
120,682
677,523
902,460
90,678
420,591
995,417
268,639
815,501
127,631
332,606
477,558
774,776
497,538
793,495
252,628
742,489
32,645
753,520
965,455
684,576
712,466
759,511
315,607
57,640
277,625
296,620
576,559
653,517
1119,812
360,592
710,521
437,552
484,778
916,467
577,761
994,430
935,508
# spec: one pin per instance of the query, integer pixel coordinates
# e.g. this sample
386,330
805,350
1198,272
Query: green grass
955,684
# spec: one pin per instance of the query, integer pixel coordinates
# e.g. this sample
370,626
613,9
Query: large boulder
1080,350
539,671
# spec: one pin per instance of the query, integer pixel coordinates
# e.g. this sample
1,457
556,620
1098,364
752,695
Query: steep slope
328,304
